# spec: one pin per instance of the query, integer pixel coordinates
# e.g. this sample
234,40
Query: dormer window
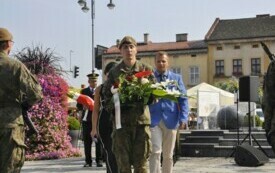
255,45
237,47
219,47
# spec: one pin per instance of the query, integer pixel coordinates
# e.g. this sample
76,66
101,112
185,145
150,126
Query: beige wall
206,61
185,62
245,53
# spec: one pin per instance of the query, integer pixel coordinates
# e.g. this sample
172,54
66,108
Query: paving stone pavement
185,164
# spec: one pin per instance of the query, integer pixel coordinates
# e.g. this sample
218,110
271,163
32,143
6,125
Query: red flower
143,74
116,84
129,78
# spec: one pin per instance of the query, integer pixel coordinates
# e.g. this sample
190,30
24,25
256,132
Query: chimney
146,38
262,15
181,37
117,42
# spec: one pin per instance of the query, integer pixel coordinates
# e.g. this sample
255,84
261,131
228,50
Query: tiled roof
165,46
260,26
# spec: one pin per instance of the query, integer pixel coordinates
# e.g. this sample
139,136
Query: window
219,64
255,46
176,70
194,75
237,67
237,47
193,55
255,66
219,47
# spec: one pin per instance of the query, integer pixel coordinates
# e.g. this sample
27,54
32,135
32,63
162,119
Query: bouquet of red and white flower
138,87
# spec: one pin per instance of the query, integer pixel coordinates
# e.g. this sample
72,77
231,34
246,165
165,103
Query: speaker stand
249,135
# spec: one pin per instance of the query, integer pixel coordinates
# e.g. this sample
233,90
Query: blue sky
62,26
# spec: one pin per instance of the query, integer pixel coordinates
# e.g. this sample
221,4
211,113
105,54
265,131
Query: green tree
230,85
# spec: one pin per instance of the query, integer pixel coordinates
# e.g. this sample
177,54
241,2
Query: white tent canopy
226,98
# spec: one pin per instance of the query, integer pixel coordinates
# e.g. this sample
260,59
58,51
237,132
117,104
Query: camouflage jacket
15,81
131,115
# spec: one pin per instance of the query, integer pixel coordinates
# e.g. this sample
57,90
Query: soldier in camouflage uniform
132,142
268,104
15,82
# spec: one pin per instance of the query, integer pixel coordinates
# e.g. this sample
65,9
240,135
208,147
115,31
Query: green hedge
258,121
73,123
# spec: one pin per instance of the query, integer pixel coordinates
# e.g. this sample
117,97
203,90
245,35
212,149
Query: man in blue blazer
166,117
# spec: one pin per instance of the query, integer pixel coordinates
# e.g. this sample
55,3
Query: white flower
114,90
157,86
165,83
173,92
176,92
144,81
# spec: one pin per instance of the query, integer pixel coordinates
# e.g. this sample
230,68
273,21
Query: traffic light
99,51
76,71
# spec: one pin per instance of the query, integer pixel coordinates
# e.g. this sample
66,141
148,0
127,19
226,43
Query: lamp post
71,60
85,9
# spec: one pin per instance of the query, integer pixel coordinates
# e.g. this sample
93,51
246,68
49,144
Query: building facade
234,47
231,47
188,58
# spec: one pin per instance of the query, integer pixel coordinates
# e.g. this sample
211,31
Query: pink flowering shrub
50,118
49,115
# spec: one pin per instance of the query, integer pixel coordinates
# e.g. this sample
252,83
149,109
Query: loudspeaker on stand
247,155
248,88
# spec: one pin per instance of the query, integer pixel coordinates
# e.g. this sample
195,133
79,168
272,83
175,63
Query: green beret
5,35
127,40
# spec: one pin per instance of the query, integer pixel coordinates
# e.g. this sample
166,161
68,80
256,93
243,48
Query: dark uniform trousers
87,128
105,129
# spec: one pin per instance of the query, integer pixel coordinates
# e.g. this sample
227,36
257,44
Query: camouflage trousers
269,114
12,149
132,146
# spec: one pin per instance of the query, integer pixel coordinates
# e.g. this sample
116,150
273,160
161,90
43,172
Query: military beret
5,35
127,40
93,76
